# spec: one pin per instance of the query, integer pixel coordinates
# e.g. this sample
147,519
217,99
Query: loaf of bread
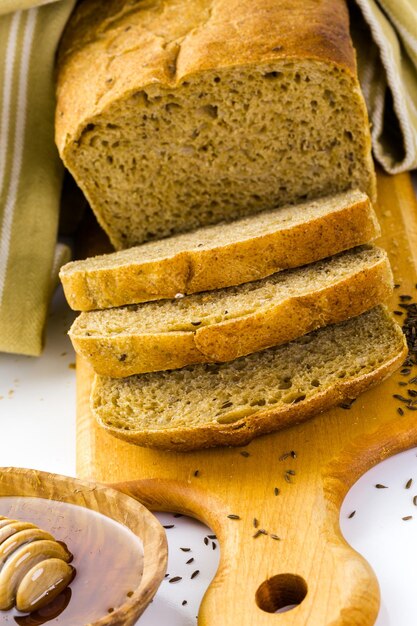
223,255
225,324
172,116
231,403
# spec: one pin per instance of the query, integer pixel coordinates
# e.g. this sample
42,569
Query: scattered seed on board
291,453
245,453
290,472
400,411
169,526
212,536
407,517
233,516
189,561
206,541
257,534
197,473
379,486
351,514
213,545
194,574
275,537
178,515
255,523
409,483
186,549
276,491
284,456
415,500
184,602
176,579
347,404
401,398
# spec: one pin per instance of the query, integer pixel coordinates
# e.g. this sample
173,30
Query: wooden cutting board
311,565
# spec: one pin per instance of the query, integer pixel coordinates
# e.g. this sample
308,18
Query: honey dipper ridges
34,567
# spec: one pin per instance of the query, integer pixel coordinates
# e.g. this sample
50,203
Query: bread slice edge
127,354
221,266
242,431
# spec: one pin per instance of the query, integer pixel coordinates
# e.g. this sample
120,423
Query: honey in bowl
34,567
107,556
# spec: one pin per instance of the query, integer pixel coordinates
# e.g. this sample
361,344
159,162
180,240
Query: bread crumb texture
226,254
172,115
224,324
230,403
214,307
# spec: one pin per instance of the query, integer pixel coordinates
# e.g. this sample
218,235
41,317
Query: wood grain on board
310,564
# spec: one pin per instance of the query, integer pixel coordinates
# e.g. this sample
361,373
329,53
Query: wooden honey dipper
34,567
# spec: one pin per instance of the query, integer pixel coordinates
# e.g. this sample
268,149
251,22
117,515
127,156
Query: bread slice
229,404
223,255
172,116
229,323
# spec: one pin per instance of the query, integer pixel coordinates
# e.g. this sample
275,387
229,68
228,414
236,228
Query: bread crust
241,432
116,50
127,354
101,42
222,265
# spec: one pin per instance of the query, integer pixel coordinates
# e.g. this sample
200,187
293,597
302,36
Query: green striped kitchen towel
30,170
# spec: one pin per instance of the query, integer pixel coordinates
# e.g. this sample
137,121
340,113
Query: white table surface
37,417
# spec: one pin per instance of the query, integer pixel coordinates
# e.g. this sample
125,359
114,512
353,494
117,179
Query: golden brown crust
243,431
128,354
101,62
222,266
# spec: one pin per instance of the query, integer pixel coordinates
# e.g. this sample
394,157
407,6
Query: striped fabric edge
12,6
404,17
31,173
14,145
400,79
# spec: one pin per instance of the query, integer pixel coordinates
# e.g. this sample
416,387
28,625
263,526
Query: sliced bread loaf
228,323
172,116
231,403
222,255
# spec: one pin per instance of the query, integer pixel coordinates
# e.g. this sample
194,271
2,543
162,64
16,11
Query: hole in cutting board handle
281,593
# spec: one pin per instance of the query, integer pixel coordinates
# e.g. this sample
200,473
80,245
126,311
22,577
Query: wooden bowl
113,504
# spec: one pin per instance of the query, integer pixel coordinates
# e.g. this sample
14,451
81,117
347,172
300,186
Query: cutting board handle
330,584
